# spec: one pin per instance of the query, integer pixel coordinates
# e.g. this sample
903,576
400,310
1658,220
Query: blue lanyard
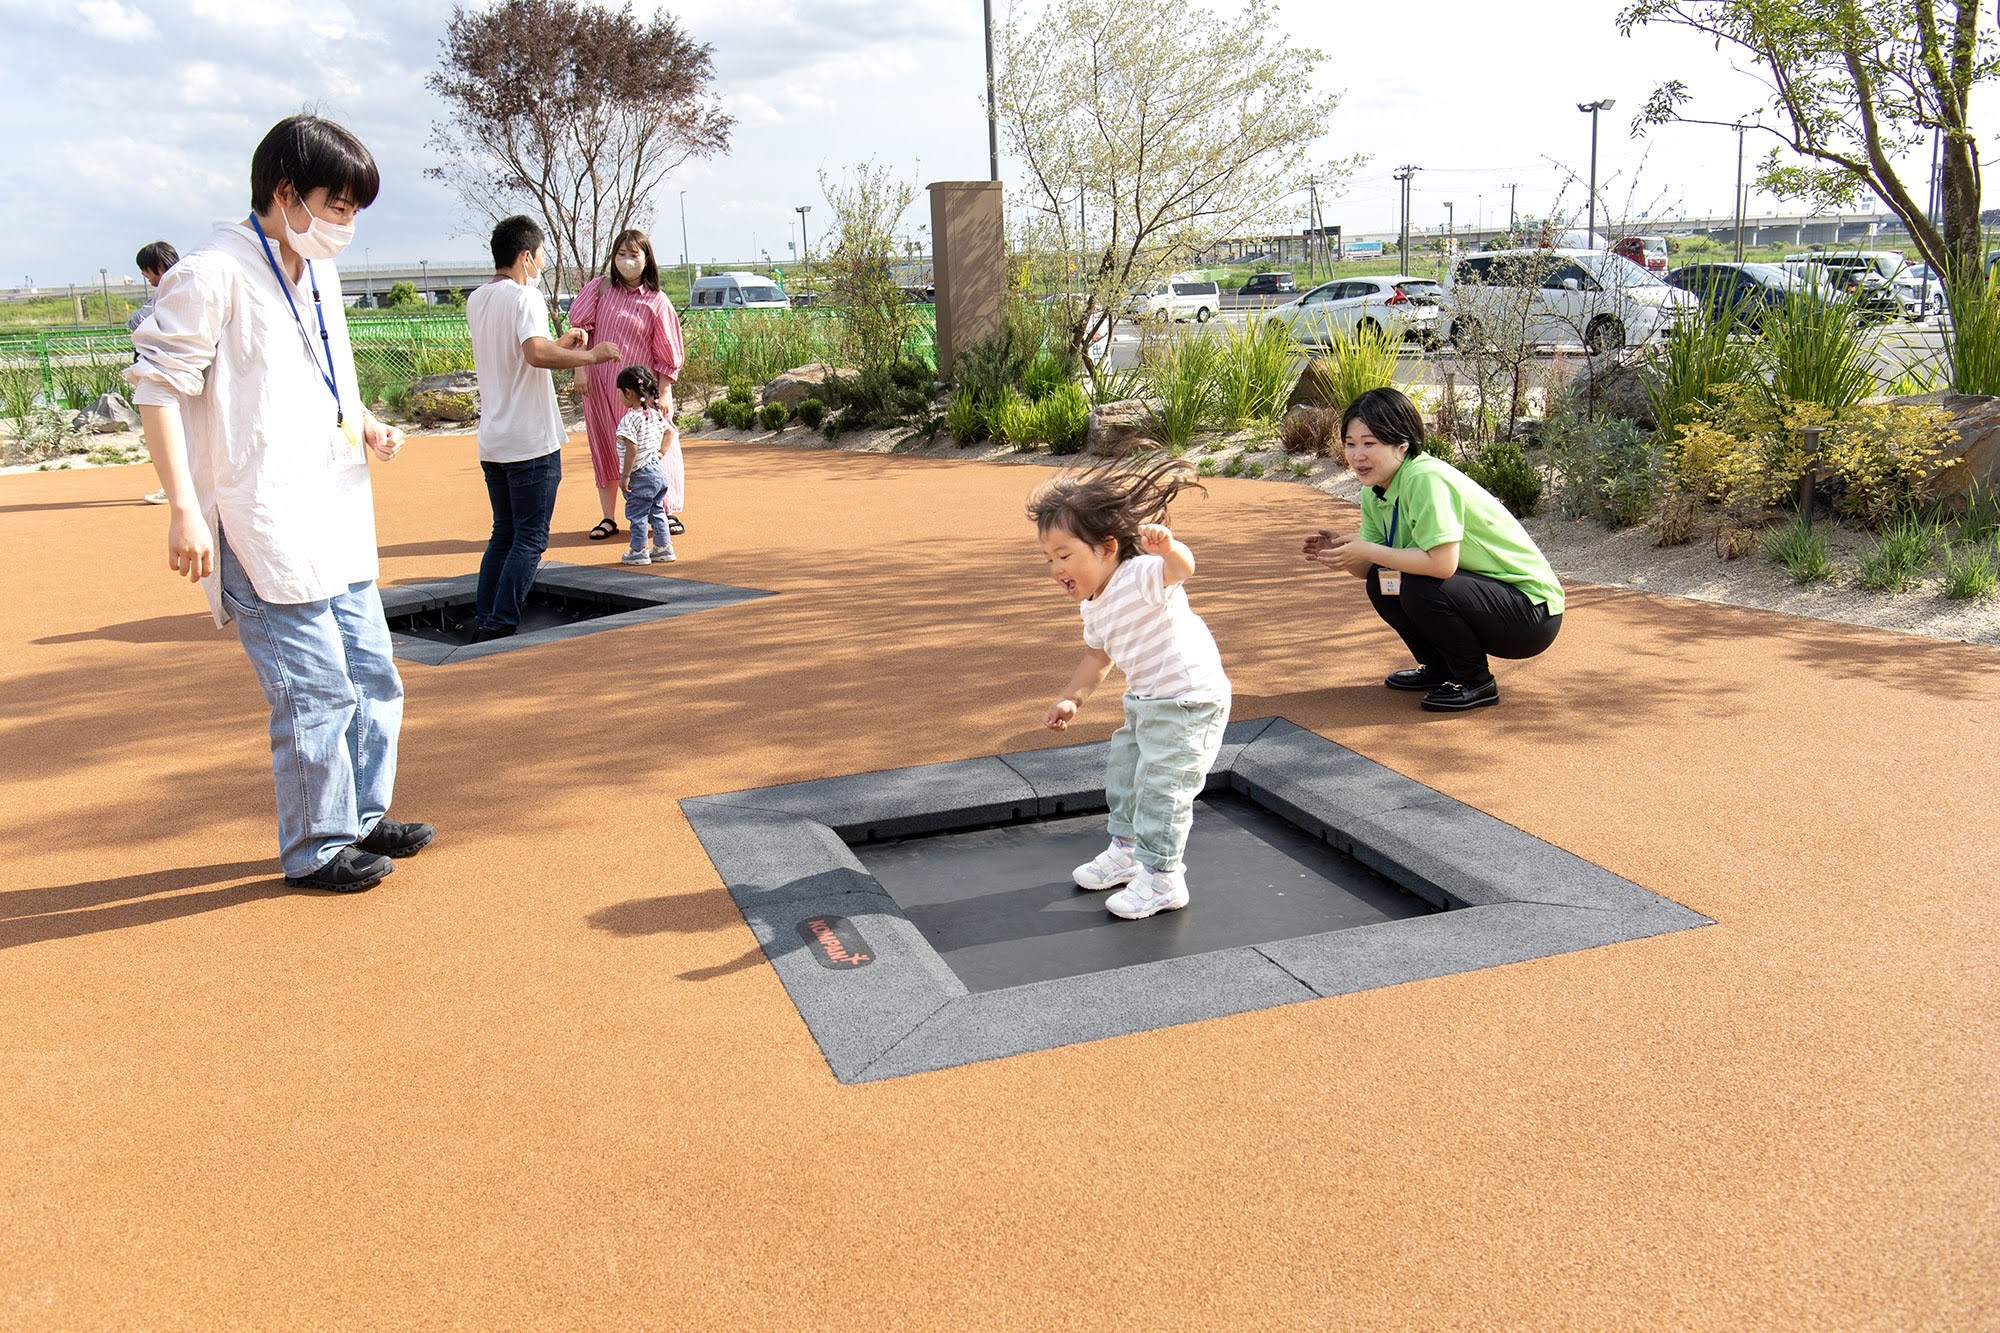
1395,514
332,385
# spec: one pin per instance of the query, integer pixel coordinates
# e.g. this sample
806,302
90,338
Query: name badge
344,442
1391,581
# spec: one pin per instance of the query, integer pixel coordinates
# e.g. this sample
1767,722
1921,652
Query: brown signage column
969,265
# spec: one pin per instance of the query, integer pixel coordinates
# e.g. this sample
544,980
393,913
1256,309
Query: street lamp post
992,109
367,280
1740,128
684,239
1601,104
805,245
104,276
425,294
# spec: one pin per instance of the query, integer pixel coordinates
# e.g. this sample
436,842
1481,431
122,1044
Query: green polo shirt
1433,503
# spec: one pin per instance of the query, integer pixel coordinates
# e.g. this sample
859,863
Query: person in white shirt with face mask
245,386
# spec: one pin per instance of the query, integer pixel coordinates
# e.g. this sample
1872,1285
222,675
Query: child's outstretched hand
1155,538
1059,715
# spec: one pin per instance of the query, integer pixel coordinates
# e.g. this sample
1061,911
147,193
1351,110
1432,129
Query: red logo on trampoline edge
835,942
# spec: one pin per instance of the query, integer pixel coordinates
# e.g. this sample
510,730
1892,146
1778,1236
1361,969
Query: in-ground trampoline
923,917
431,623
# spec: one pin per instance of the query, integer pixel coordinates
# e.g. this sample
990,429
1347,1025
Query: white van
1198,300
737,291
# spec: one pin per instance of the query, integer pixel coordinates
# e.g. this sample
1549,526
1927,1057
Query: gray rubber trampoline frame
784,854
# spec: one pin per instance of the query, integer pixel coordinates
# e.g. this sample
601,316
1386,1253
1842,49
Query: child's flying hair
641,381
1111,500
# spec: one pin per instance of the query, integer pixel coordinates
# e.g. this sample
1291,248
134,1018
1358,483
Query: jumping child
649,449
1105,536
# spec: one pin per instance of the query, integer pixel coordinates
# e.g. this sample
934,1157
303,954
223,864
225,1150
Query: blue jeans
1158,763
646,506
336,708
524,500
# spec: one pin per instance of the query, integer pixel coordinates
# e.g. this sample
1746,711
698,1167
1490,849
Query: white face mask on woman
320,239
630,266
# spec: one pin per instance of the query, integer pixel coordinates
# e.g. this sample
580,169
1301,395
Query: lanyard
332,385
1395,514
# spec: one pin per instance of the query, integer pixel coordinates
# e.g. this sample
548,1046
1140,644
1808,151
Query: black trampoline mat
999,907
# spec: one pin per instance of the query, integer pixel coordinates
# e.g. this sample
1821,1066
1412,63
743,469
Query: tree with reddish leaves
574,112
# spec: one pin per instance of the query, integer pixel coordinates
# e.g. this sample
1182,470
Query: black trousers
1452,625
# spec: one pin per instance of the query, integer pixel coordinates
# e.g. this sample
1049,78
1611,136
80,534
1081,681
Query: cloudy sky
134,119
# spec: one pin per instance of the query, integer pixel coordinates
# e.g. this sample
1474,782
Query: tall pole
1403,175
1601,104
992,110
367,278
1740,128
805,246
104,275
1510,213
684,241
1450,237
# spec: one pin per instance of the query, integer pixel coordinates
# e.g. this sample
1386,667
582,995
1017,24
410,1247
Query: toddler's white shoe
1150,892
1114,865
632,557
664,555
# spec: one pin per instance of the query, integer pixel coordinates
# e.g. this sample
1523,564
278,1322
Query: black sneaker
483,634
350,871
1417,678
389,838
1461,698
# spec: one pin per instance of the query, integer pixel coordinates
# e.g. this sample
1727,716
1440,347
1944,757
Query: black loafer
1421,679
350,871
389,838
1460,698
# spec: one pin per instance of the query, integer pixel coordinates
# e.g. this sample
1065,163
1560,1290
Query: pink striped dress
647,332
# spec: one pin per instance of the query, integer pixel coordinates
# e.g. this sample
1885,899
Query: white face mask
630,267
321,239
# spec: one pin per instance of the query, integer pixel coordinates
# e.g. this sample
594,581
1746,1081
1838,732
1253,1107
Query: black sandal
605,528
674,525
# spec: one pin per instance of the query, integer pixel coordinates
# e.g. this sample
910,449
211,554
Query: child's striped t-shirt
1153,635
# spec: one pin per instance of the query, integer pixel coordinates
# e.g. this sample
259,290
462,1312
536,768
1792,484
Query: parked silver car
1399,305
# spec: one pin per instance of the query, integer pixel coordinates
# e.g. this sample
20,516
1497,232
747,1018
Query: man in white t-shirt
521,431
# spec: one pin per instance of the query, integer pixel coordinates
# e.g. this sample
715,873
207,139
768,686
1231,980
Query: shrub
1253,470
1676,516
811,413
719,411
1903,552
43,434
968,417
1969,574
1181,378
1254,371
1353,363
1014,420
402,295
1116,386
1309,430
19,389
1884,455
1801,549
1981,519
886,396
1047,372
1234,467
773,415
1606,469
1502,469
1812,352
1972,337
1697,357
741,392
1061,418
687,423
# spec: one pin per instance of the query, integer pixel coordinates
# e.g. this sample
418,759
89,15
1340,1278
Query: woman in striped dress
625,307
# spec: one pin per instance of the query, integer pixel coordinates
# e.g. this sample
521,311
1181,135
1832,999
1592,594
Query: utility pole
1740,128
1601,104
105,275
1403,175
1450,239
992,109
1312,229
805,246
684,240
1511,238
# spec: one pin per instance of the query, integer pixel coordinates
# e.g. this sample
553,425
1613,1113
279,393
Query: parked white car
1554,298
737,290
1402,306
1176,300
1921,291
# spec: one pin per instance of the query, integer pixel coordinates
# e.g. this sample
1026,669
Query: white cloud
115,22
750,109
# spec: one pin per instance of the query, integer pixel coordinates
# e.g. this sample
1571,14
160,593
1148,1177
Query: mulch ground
542,1076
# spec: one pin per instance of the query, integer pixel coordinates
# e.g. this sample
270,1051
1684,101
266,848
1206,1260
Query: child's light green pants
1159,760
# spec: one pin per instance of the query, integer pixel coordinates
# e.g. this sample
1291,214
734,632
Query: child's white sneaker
664,555
1152,891
632,557
1114,865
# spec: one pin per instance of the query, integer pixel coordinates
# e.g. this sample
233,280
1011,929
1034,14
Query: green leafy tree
1854,85
859,275
402,295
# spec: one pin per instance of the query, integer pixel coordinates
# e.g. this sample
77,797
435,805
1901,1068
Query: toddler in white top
647,444
1109,548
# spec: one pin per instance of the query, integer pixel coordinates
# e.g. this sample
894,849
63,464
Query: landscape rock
1113,426
803,382
1976,417
108,415
438,398
1614,384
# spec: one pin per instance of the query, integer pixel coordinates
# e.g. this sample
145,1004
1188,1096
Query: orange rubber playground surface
543,1077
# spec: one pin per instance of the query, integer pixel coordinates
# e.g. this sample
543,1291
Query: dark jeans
524,499
1451,625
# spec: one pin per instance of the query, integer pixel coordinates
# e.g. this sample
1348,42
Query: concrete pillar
970,263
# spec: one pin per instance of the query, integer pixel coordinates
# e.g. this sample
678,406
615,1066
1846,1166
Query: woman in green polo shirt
1448,567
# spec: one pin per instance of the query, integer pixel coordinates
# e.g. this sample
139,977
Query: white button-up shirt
221,343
